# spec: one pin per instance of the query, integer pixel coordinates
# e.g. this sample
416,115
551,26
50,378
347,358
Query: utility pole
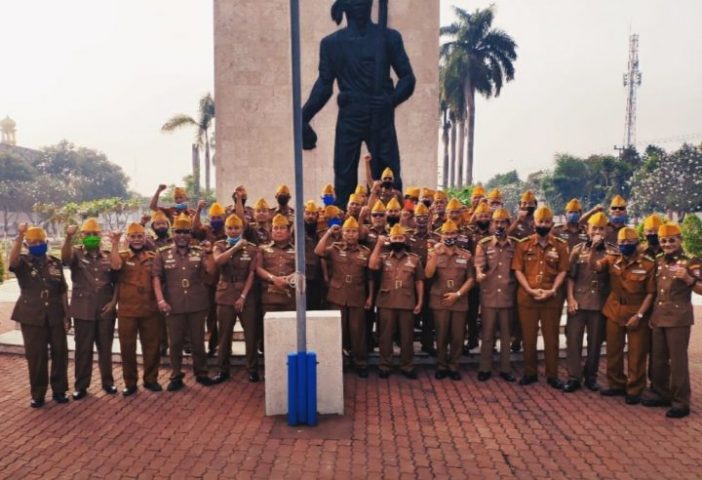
632,81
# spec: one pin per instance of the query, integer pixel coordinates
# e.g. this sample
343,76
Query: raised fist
201,204
22,228
71,230
162,187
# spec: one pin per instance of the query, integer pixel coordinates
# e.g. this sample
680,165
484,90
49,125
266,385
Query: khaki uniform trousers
389,319
149,331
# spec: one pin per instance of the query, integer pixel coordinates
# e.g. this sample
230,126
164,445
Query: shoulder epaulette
124,252
485,240
165,248
559,239
649,258
522,240
514,239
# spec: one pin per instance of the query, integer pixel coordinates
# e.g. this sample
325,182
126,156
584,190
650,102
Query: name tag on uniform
462,261
490,251
639,272
409,264
552,254
245,256
342,254
131,264
170,260
195,258
85,260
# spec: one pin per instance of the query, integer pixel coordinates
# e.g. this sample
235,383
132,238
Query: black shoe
38,402
175,385
592,385
79,394
164,351
154,387
60,398
411,374
110,389
212,353
440,374
654,402
454,375
466,350
204,380
431,351
555,383
632,399
362,372
220,378
253,377
484,376
571,386
613,392
528,380
188,350
516,346
384,373
507,376
129,391
677,412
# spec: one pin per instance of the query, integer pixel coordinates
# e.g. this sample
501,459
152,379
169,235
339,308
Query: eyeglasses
667,241
377,215
618,209
181,232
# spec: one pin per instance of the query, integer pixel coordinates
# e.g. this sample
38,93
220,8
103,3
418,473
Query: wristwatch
639,315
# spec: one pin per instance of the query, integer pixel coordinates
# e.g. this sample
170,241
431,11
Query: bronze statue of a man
359,58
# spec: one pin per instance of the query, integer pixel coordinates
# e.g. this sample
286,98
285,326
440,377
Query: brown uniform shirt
673,305
313,267
279,261
248,213
476,236
233,274
372,236
523,228
172,212
591,287
452,271
571,237
349,274
182,276
540,265
258,234
135,296
93,283
420,244
42,287
612,232
399,272
631,280
287,212
494,259
154,243
386,195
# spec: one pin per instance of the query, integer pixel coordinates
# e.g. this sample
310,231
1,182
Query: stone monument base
323,338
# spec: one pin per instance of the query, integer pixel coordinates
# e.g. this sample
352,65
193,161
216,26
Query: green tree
502,179
484,58
692,235
16,176
202,125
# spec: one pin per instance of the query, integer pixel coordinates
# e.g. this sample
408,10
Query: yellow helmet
179,192
528,197
574,206
440,195
159,216
328,189
481,209
355,198
454,205
618,201
90,225
233,221
449,227
495,195
500,214
478,191
216,210
652,222
393,204
35,234
387,173
182,222
361,190
412,192
669,230
396,230
135,228
311,207
543,213
350,224
261,204
378,207
280,221
421,210
627,233
282,190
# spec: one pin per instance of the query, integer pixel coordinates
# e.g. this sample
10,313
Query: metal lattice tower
632,80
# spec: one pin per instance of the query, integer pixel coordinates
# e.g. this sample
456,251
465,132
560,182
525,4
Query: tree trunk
207,164
470,103
196,170
452,162
461,154
445,139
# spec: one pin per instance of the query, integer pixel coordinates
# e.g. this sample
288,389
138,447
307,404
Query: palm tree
445,128
484,59
205,121
453,94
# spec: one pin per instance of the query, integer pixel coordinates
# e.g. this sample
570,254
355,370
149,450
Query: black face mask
530,210
283,200
449,242
311,228
652,240
387,185
393,220
543,231
161,232
397,246
427,203
483,225
500,231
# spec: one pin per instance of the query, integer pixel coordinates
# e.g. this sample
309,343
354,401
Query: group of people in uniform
395,265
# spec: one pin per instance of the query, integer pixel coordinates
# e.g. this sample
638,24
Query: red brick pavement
394,428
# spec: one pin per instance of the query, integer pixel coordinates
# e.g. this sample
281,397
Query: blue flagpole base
302,388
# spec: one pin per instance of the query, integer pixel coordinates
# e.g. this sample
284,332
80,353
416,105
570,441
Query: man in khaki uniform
587,291
276,269
399,299
259,232
385,190
573,232
453,276
161,228
677,277
350,288
42,312
498,286
633,286
618,218
523,226
478,230
313,265
178,273
494,199
282,197
92,305
237,260
540,265
650,230
438,210
138,312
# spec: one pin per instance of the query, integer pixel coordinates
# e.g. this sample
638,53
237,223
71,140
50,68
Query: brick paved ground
393,429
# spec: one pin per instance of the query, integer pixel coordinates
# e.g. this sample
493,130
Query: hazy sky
107,74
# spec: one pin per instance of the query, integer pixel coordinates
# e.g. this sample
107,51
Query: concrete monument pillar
253,95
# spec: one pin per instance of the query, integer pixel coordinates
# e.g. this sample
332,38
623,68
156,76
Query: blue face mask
333,221
573,217
233,240
328,200
618,221
217,224
627,249
180,206
38,250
